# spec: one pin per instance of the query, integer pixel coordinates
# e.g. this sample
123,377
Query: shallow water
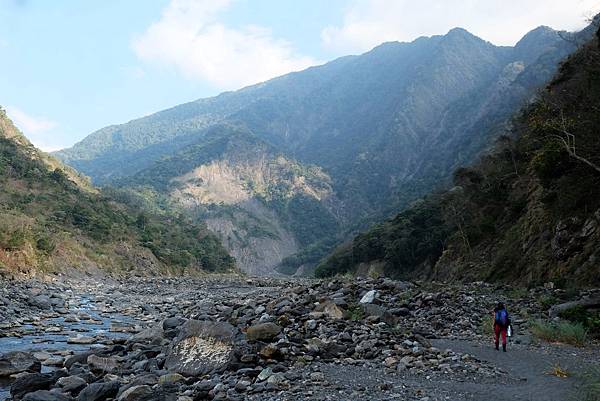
34,339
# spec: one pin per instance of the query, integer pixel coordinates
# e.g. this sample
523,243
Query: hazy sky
69,67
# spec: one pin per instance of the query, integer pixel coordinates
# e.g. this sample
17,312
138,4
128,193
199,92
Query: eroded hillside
52,220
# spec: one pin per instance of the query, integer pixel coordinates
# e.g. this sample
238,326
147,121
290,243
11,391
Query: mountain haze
292,165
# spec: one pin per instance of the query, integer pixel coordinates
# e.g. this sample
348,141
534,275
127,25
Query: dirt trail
527,368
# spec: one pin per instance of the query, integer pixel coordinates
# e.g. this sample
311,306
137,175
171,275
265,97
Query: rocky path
529,370
235,339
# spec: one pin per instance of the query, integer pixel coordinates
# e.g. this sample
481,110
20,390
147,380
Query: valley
327,151
366,228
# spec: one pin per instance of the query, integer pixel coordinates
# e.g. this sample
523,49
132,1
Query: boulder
77,358
172,323
331,310
40,302
99,391
380,312
263,332
79,339
45,395
100,364
17,362
369,297
30,382
170,378
201,347
136,393
72,384
151,335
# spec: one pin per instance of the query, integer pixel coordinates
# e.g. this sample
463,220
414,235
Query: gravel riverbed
231,338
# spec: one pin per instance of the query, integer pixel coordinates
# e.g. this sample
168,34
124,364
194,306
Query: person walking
501,325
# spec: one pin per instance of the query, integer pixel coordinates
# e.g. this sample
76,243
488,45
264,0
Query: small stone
72,384
136,393
390,361
263,331
264,374
79,339
242,385
102,364
170,378
311,324
99,391
276,379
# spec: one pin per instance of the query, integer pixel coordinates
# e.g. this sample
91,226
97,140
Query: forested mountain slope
51,219
528,212
381,129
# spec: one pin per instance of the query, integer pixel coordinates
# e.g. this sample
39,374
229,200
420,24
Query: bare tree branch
568,141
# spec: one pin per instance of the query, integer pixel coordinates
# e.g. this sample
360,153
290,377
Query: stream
49,337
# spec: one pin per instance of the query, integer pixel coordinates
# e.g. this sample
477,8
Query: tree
142,221
559,128
457,213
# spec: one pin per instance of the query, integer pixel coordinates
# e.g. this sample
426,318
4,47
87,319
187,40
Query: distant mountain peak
536,43
539,32
458,31
460,36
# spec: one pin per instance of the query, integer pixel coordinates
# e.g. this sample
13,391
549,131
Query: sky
70,67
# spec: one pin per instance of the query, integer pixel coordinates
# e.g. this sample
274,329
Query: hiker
501,324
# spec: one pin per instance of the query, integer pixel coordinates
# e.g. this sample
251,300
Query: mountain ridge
525,212
369,122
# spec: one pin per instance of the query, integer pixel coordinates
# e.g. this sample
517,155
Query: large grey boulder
45,395
28,383
99,364
72,384
77,358
40,302
99,391
17,362
201,347
136,393
151,335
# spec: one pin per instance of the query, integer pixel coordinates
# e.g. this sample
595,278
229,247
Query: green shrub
579,314
547,301
356,312
45,244
517,293
551,161
564,332
590,390
16,240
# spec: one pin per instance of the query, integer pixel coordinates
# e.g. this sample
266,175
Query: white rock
369,297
